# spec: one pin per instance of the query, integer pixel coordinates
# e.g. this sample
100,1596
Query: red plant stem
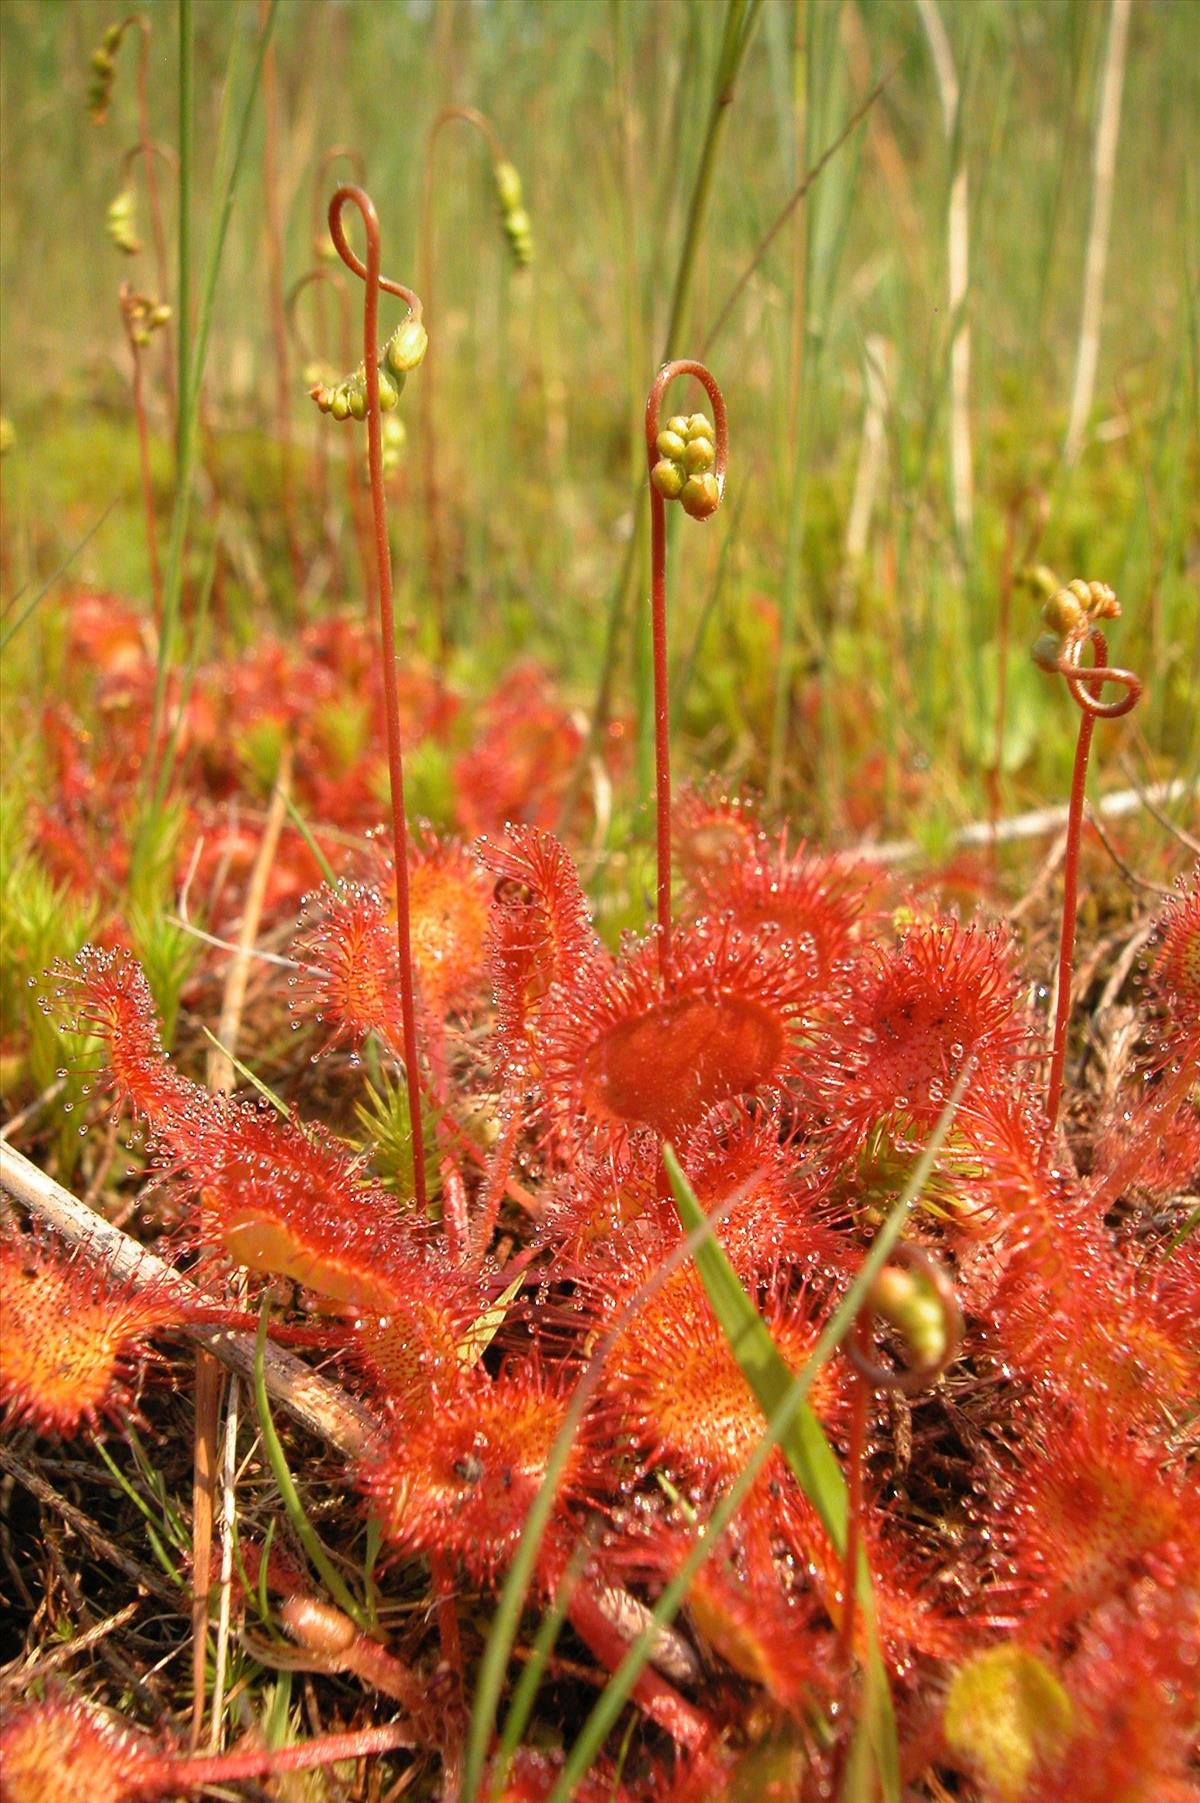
660,1700
433,493
260,1762
283,411
658,608
1085,692
442,1573
373,282
156,220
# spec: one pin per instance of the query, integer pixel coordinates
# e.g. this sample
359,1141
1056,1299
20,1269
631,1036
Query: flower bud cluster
1070,611
403,351
120,223
686,466
143,316
518,228
104,69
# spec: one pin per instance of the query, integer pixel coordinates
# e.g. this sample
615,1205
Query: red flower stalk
1071,614
369,274
61,1750
698,480
625,1047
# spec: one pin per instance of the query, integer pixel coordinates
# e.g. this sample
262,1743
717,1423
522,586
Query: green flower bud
102,62
668,478
508,187
1062,612
670,444
112,39
407,346
519,227
1046,652
701,496
909,1301
678,424
339,404
119,223
699,426
698,456
389,394
357,399
8,435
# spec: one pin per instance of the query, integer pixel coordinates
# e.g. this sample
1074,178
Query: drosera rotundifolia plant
754,1357
787,1158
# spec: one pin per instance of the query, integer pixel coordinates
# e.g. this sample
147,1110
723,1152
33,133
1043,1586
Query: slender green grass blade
296,1513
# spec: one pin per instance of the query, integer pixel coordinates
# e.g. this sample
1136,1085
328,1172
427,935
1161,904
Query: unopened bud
668,478
699,455
670,444
699,426
1046,652
911,1303
407,346
389,394
339,404
678,424
508,187
701,496
1062,613
519,229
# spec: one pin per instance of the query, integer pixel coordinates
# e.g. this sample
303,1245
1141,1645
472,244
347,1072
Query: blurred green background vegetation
604,105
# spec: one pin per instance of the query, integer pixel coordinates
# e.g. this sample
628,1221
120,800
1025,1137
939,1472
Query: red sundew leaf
1134,1686
71,1335
913,1017
349,947
1176,974
111,998
63,1749
621,1051
539,935
458,1480
712,833
671,1382
1091,1513
812,900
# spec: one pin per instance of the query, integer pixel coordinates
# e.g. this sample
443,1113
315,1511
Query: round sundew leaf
667,1066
